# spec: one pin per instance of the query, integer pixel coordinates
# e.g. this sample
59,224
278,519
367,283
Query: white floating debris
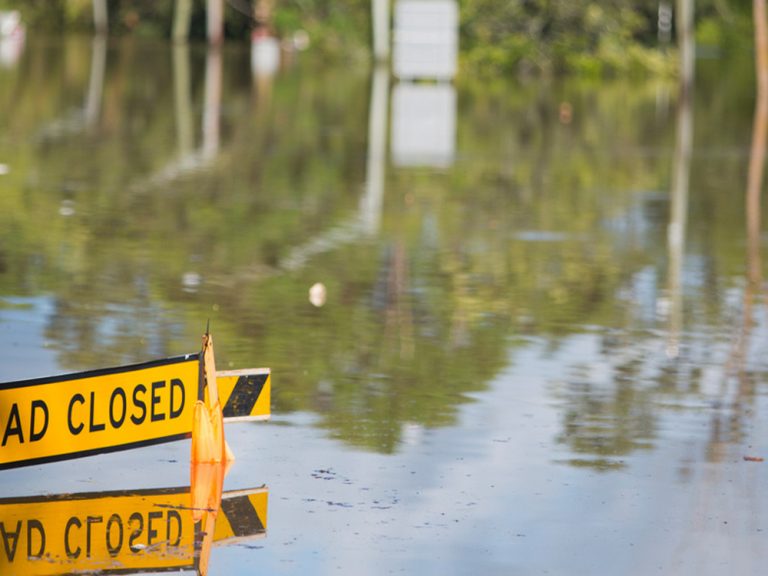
191,281
67,208
317,294
4,169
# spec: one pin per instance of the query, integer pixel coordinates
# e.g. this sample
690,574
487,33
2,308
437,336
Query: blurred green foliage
497,36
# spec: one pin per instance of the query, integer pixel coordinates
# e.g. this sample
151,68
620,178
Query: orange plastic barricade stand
208,442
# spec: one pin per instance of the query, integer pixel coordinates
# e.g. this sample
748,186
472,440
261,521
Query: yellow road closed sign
86,413
245,394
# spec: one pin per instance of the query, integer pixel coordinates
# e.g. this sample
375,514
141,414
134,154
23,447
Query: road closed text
158,401
76,415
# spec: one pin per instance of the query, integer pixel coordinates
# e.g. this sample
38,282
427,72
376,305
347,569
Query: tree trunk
759,133
181,19
262,15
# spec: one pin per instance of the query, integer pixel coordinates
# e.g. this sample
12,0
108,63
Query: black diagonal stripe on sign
244,395
242,516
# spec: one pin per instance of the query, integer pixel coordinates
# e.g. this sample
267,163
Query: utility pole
380,9
100,16
215,15
686,42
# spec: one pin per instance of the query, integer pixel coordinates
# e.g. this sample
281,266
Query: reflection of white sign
423,124
426,39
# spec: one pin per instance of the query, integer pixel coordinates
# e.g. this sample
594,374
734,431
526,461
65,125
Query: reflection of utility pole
183,100
212,103
371,203
368,218
87,117
681,175
96,82
398,313
189,157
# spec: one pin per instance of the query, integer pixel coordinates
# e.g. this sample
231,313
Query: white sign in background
426,39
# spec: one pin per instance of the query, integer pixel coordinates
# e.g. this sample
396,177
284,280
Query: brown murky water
538,346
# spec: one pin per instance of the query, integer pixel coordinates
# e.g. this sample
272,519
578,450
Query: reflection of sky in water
23,349
492,493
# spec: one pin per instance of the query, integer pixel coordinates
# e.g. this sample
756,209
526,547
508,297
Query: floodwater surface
513,327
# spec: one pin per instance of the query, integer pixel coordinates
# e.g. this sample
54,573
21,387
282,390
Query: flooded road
513,327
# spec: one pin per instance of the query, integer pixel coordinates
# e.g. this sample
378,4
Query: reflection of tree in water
604,421
411,331
629,395
385,358
518,241
127,332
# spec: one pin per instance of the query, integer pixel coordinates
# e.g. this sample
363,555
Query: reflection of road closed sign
89,532
98,411
243,516
118,532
